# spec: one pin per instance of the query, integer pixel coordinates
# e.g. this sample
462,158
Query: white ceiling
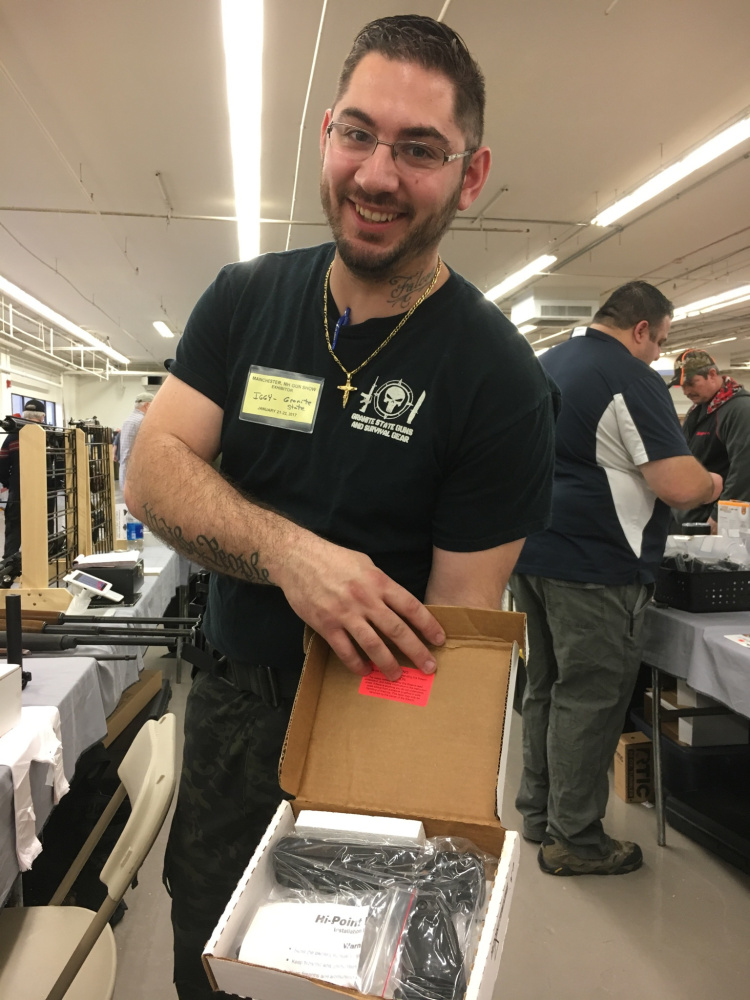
586,98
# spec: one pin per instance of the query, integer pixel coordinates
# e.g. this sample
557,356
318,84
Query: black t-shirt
447,441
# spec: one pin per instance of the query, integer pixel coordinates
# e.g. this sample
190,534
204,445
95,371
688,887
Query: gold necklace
348,387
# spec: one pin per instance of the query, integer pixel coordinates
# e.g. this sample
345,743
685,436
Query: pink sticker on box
412,688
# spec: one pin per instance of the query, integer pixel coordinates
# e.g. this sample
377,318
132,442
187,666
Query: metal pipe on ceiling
302,122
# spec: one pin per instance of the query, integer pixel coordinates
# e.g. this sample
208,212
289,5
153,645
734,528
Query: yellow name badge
281,399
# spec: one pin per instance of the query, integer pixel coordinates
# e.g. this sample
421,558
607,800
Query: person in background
584,583
131,426
403,460
10,477
716,428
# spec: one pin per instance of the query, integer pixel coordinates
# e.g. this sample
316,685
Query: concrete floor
678,929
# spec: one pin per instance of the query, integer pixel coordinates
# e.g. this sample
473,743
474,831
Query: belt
266,682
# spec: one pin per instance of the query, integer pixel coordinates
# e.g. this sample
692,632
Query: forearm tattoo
403,286
207,551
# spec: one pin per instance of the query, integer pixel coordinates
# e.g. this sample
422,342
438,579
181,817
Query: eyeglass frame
447,157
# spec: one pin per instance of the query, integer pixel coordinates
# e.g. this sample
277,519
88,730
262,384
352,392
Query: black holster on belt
266,682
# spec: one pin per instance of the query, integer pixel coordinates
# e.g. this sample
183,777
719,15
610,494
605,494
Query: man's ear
326,122
641,331
475,178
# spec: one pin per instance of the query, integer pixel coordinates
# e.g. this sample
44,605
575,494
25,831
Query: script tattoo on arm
207,551
404,286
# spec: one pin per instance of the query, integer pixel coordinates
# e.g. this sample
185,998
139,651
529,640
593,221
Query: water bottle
134,532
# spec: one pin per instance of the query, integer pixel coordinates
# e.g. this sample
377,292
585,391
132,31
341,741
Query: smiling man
386,440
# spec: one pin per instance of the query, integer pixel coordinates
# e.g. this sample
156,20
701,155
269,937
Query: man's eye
356,135
418,151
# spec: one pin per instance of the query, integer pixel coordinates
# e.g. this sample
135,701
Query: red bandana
729,389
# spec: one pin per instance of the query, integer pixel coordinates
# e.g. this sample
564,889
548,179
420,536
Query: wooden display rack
38,570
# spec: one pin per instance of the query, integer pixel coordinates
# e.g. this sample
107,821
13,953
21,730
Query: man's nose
379,171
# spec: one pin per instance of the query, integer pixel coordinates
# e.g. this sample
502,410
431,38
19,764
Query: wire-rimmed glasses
357,142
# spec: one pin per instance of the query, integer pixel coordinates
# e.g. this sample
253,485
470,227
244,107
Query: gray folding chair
55,951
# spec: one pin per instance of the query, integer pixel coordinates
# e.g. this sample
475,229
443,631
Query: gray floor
678,929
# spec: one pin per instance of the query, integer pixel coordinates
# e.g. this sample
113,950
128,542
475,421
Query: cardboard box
633,768
10,697
442,763
668,700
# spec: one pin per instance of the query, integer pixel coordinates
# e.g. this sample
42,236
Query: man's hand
355,607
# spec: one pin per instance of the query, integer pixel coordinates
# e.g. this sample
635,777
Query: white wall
19,375
110,401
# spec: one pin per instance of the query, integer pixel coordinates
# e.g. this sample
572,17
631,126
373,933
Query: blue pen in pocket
342,321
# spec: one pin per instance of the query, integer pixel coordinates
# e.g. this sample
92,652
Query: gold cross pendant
346,389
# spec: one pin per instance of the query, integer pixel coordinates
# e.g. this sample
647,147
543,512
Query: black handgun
444,883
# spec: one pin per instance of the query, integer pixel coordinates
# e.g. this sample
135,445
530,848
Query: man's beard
374,265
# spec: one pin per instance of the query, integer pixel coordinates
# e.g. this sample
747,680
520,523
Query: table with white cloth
85,691
694,648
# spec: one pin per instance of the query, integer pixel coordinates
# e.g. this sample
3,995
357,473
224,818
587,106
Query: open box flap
354,752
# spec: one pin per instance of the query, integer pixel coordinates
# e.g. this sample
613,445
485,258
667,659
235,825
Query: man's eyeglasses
359,143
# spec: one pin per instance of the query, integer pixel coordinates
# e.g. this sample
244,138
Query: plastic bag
424,906
706,553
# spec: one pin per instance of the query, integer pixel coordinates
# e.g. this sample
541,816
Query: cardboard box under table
439,759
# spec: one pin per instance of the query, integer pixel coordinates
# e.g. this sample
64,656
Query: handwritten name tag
281,399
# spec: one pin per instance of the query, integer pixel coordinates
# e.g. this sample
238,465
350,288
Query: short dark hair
631,303
414,38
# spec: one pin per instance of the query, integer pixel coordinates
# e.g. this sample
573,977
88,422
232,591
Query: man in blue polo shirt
620,462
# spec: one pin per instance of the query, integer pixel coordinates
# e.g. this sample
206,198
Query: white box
733,518
688,697
451,752
227,973
10,697
121,518
317,823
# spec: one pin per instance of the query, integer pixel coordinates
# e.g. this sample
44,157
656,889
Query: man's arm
340,593
473,579
681,481
734,430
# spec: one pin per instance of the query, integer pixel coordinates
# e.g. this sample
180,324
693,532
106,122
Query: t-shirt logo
393,399
389,403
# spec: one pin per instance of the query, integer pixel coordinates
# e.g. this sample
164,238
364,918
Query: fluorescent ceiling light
727,139
541,351
23,298
162,328
242,22
526,328
663,365
724,341
537,266
722,301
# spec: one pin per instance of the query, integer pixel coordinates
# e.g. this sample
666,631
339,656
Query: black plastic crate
689,770
719,591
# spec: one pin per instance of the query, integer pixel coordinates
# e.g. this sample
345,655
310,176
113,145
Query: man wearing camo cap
717,429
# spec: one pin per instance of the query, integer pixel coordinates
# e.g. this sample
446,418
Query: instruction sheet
320,940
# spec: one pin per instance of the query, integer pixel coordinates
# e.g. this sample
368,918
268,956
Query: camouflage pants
228,792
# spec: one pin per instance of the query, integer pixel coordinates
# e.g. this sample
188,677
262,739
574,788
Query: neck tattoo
348,388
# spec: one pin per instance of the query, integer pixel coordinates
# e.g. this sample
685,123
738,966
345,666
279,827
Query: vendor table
85,691
694,648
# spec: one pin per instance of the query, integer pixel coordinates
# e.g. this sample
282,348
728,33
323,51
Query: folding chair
55,951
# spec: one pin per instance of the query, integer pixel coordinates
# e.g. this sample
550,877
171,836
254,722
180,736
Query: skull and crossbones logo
393,399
